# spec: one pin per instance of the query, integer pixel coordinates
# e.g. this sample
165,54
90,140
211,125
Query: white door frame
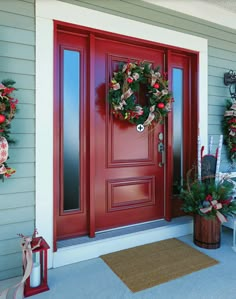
46,12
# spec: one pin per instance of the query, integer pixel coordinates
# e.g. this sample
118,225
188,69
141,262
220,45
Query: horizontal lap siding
17,61
17,194
221,49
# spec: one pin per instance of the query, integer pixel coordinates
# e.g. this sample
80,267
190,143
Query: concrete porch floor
93,279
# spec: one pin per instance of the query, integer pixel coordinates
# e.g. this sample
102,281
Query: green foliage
9,83
229,129
208,197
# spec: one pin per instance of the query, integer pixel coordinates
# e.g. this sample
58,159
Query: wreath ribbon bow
216,205
230,113
126,94
151,116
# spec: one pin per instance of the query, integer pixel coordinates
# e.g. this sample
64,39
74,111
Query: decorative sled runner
209,164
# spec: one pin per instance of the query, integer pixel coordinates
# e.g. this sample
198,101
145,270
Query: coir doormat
152,264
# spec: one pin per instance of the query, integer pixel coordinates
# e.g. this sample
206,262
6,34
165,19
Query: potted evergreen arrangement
209,200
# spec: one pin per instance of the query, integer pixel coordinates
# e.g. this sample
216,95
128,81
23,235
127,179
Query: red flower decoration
209,197
8,90
232,120
130,79
156,85
226,201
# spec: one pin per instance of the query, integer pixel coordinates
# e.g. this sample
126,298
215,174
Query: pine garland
229,129
7,111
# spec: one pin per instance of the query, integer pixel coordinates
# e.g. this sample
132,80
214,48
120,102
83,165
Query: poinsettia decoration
8,106
124,87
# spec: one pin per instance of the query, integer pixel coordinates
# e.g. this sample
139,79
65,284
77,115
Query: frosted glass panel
178,123
71,129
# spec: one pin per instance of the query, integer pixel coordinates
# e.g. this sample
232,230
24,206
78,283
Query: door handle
162,151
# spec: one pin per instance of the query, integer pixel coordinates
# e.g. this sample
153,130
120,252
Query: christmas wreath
7,112
229,128
123,94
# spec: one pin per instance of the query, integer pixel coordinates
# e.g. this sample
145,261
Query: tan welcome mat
152,264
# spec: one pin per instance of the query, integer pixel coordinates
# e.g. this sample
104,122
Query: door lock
160,136
162,151
160,147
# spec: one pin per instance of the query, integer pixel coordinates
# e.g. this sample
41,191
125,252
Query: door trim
92,139
46,12
69,34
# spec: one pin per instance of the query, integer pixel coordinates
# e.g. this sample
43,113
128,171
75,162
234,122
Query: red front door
129,175
106,173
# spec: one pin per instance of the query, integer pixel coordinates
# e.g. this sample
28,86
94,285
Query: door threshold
84,248
114,232
141,225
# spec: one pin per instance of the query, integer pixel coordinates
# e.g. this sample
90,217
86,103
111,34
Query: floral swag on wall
229,129
126,83
7,112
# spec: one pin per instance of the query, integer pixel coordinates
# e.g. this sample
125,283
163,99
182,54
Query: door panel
137,151
182,68
70,141
129,183
184,134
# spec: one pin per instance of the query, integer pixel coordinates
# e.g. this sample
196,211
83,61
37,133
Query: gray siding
17,62
221,41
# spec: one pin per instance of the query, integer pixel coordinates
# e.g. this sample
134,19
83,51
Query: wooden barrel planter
207,232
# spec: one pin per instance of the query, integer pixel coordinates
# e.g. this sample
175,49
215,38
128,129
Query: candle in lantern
35,278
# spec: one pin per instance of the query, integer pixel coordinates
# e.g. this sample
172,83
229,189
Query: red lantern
2,118
161,105
37,281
